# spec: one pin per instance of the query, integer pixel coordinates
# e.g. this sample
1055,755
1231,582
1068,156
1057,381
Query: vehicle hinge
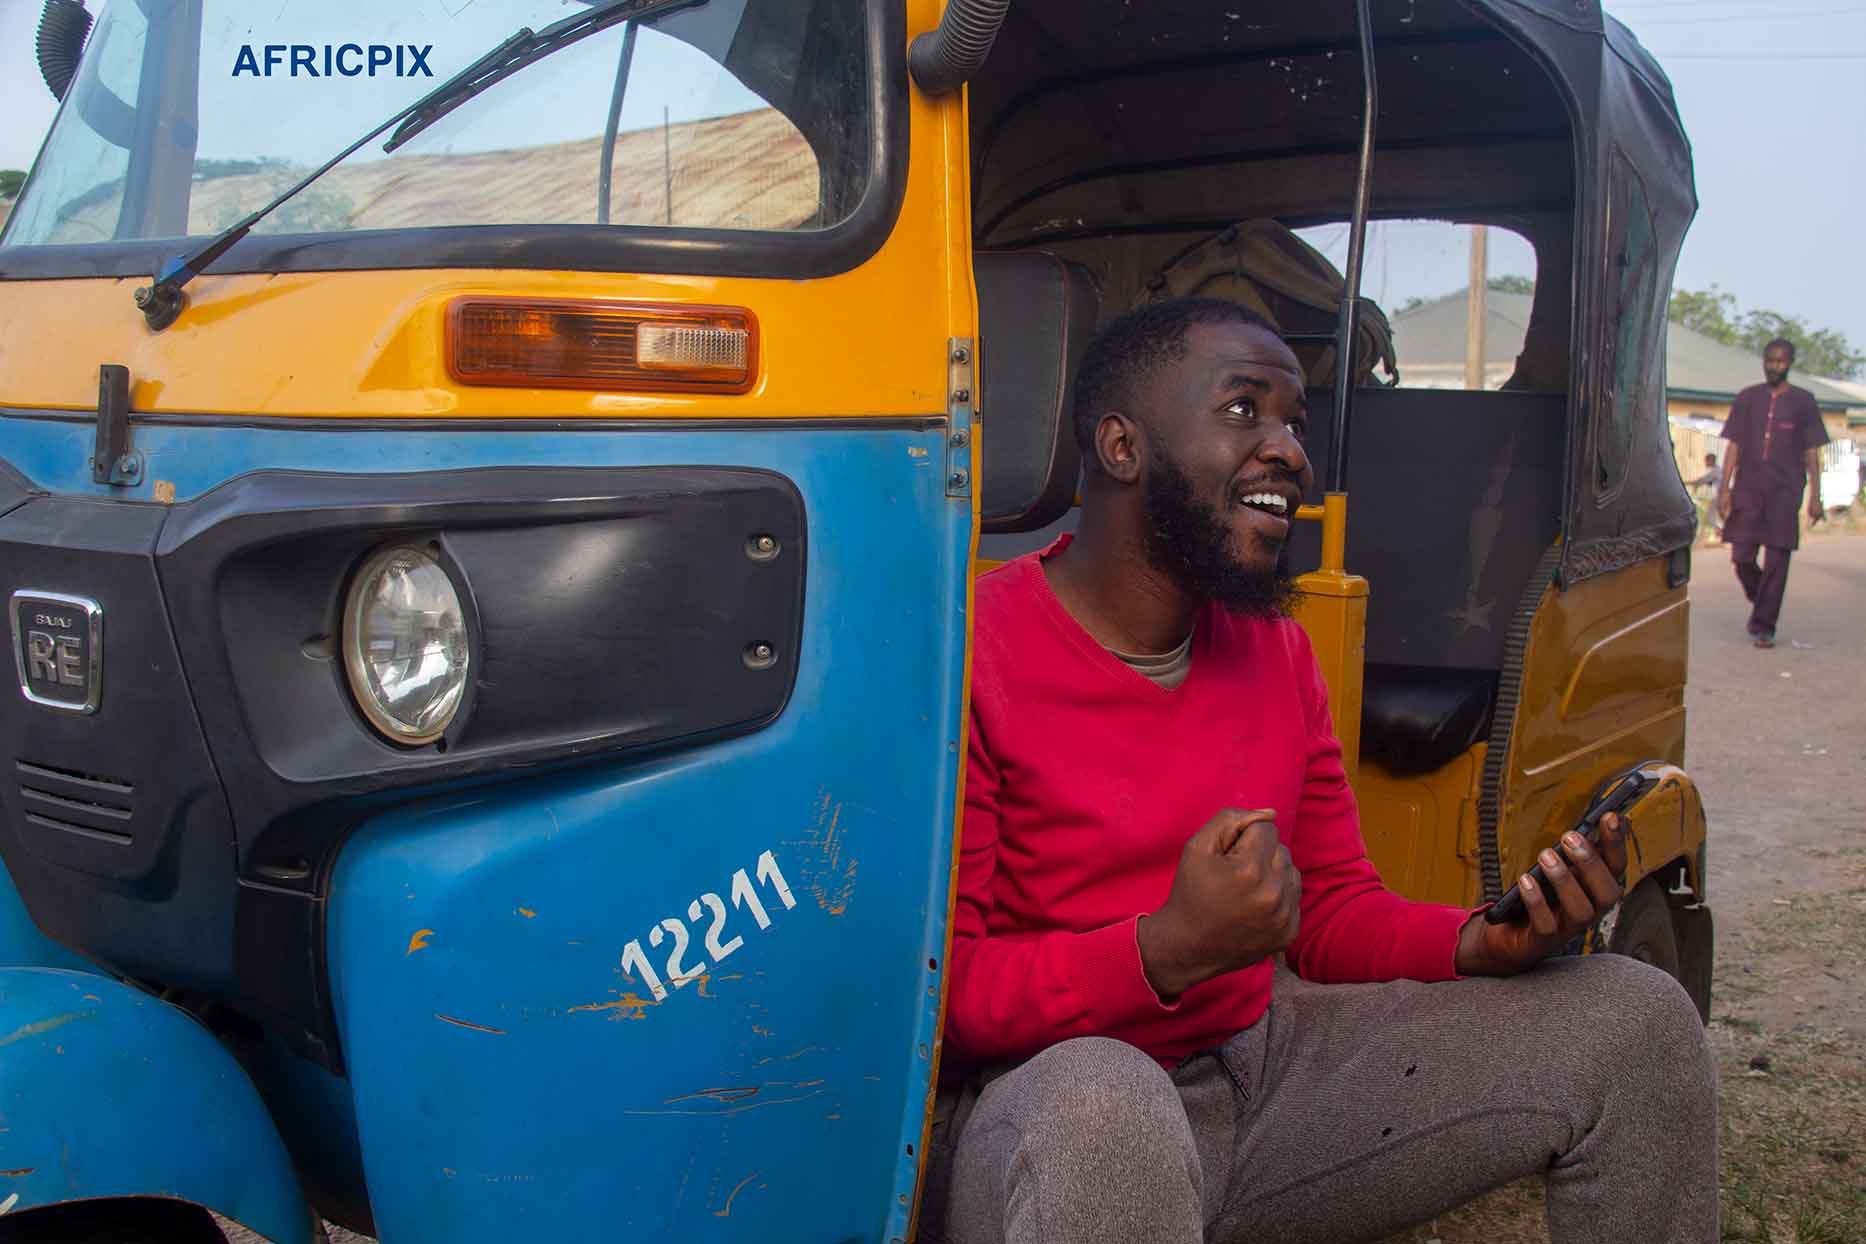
961,409
113,461
1678,567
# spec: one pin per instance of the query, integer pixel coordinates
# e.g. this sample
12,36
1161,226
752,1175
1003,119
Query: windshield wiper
162,301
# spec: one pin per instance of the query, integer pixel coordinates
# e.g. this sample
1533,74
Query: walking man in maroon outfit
1775,434
1155,808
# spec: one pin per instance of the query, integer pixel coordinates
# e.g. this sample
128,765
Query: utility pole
1477,308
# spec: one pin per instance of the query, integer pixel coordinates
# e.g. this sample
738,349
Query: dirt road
1778,746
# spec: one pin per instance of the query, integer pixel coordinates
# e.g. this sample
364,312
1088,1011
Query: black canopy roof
1167,119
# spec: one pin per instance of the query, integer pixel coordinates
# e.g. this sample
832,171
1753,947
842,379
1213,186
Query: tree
1713,312
1820,351
11,179
1510,283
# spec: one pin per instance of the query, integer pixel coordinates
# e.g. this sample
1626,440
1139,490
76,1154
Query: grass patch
1794,1149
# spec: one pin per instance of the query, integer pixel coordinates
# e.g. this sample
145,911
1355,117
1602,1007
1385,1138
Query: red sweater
1083,782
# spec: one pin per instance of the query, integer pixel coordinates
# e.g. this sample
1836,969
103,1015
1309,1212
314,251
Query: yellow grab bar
1333,515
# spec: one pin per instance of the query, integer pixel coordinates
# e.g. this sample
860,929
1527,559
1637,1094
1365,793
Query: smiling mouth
1266,502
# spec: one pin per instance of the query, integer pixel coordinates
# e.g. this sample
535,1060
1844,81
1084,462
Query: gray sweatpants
1349,1112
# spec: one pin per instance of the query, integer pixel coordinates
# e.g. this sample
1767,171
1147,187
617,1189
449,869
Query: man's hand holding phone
1585,888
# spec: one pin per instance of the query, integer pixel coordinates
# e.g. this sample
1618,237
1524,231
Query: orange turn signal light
616,346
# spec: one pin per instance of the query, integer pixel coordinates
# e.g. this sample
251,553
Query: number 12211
744,894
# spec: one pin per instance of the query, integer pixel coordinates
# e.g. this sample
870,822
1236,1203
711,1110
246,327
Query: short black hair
1785,343
1135,345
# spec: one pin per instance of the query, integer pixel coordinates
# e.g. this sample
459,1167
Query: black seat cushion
1415,719
1036,313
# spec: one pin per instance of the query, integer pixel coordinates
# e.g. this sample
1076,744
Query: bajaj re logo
334,60
58,649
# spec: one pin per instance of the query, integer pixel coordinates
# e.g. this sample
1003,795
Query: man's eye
1242,406
1299,428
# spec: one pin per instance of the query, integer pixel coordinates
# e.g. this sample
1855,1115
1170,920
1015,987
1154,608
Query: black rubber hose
942,59
62,30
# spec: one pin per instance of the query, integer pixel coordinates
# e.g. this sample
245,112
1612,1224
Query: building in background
1703,376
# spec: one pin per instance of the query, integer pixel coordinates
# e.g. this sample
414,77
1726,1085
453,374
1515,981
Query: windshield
186,115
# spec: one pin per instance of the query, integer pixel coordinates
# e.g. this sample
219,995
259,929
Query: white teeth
1268,500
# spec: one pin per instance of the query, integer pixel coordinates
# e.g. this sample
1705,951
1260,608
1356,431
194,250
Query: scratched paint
43,1026
726,1210
706,980
418,942
713,1094
762,1103
828,867
788,1058
630,1005
467,1023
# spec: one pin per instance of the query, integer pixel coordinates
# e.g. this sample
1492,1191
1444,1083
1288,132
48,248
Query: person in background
1775,434
1710,482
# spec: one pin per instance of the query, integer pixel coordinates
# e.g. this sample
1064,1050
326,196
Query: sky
1773,94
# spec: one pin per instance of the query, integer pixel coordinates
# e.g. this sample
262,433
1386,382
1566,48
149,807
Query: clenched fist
1236,900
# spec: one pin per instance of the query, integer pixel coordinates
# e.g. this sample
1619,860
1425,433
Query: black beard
1189,539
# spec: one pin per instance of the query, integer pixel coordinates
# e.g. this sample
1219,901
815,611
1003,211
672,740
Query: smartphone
1620,794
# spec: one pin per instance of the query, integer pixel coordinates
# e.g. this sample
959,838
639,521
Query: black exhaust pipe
942,59
62,30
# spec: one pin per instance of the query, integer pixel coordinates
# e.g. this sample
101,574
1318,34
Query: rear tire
1644,930
1696,951
129,1220
1677,943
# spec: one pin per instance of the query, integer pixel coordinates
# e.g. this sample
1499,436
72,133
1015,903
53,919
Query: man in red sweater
1156,807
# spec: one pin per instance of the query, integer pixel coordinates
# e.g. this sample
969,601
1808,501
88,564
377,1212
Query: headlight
405,644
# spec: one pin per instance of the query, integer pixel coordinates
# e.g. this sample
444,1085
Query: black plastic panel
1036,315
14,489
611,609
114,828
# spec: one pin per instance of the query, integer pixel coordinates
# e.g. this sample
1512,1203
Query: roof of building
1432,334
749,170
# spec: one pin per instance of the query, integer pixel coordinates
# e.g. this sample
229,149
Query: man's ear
1118,440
